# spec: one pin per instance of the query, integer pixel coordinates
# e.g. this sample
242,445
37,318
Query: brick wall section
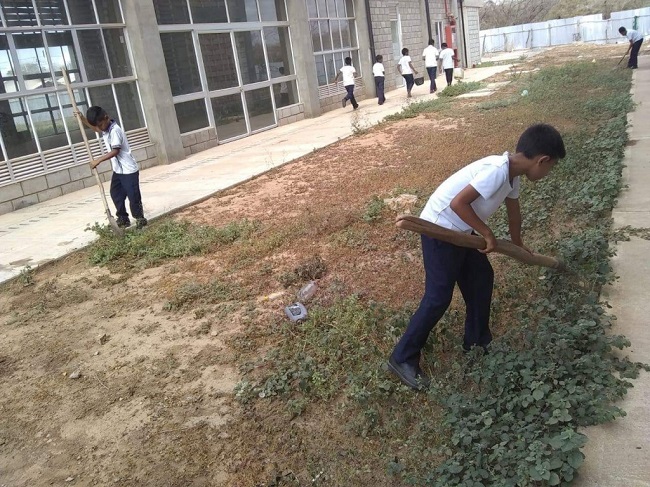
474,41
290,114
414,33
51,185
199,141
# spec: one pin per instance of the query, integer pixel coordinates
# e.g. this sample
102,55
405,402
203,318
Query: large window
225,74
333,31
85,37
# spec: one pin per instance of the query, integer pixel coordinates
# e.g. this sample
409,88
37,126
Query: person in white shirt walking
348,72
636,39
430,56
406,69
379,74
447,57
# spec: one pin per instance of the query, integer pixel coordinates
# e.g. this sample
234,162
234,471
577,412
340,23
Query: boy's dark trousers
127,186
379,84
432,76
633,62
350,95
449,73
445,265
410,81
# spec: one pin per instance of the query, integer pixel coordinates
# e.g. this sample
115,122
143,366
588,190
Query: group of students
432,58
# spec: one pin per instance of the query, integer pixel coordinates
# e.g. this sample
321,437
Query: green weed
374,210
460,89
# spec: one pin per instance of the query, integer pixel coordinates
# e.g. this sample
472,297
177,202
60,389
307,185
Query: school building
181,76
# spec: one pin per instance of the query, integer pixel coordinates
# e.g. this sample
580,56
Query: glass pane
260,108
251,56
340,9
32,60
70,119
353,33
208,11
15,128
278,49
322,8
315,36
8,79
320,71
330,66
92,52
108,11
243,11
229,116
331,8
285,94
63,55
180,58
273,10
19,12
81,11
130,108
349,8
102,96
312,11
48,121
325,35
171,11
219,61
52,12
191,115
117,53
336,34
345,33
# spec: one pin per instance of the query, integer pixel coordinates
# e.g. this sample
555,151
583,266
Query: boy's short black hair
379,58
405,51
432,42
348,61
95,114
444,44
622,30
281,69
541,139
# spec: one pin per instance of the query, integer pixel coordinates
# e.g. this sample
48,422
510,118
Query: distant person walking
447,57
636,39
380,75
406,69
430,56
348,72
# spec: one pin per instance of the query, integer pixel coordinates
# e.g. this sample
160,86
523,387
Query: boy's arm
412,68
514,222
96,162
336,78
461,205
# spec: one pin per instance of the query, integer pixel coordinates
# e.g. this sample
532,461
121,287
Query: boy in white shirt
379,74
430,56
406,69
463,203
636,39
125,182
348,72
447,57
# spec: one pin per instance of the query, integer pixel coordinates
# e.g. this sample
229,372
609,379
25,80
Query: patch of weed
214,292
414,109
503,103
374,210
460,89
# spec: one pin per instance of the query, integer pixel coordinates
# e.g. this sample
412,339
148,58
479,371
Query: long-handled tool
621,60
116,229
418,225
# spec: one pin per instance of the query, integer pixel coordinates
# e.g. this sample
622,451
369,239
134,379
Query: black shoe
410,375
344,102
141,223
123,222
356,107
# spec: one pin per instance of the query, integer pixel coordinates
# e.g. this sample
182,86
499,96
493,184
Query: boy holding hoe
463,203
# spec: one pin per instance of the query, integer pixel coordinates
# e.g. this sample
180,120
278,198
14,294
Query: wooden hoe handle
505,247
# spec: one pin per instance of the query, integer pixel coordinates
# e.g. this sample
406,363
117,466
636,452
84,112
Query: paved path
52,229
618,453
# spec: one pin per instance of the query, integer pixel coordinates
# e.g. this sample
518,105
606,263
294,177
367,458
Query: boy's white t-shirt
378,69
447,58
404,63
348,73
115,138
633,35
430,55
489,176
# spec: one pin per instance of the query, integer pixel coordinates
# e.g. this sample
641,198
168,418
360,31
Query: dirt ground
103,383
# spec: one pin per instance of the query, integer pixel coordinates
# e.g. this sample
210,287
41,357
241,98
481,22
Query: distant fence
588,28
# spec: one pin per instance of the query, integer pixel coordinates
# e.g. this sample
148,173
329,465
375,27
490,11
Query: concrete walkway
52,229
618,453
